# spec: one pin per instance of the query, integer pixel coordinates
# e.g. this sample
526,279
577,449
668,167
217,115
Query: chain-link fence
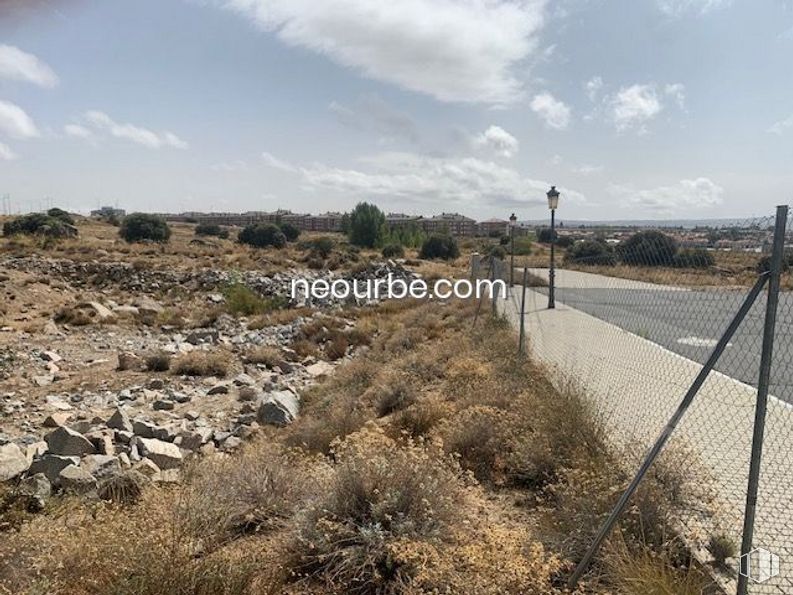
637,314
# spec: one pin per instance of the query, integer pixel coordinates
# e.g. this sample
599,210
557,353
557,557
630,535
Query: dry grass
265,355
409,471
202,363
158,362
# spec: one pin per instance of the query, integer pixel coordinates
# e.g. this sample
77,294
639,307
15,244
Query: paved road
689,323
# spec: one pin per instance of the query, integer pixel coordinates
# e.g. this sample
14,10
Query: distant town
726,235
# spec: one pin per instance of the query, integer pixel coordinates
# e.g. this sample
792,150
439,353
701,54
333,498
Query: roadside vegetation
438,461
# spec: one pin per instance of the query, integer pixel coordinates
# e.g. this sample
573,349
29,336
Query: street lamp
512,220
553,202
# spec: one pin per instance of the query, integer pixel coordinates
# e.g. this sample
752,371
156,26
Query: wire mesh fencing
637,314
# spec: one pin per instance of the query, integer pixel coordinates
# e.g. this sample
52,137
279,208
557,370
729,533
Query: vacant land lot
202,435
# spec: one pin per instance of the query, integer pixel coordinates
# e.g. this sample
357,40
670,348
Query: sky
634,109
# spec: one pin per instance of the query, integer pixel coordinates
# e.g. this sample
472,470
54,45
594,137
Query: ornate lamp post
512,221
553,202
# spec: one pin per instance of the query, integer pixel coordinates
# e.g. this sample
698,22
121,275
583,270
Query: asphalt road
690,322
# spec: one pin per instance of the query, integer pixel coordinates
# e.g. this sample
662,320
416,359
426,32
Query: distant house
493,226
453,223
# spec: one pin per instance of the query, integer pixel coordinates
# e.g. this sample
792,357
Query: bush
544,235
202,363
261,235
241,300
396,394
522,246
565,241
290,231
138,227
648,248
367,224
60,215
694,259
158,362
380,498
764,264
591,252
211,229
39,224
393,251
721,547
322,247
497,252
440,246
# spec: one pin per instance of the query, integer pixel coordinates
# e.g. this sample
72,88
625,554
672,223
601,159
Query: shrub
60,215
497,252
522,246
648,248
764,264
39,224
264,354
440,246
73,316
123,488
138,227
291,233
479,435
418,419
322,247
380,497
336,348
261,235
393,251
158,362
721,547
396,394
211,229
694,259
367,224
591,252
202,363
544,235
241,300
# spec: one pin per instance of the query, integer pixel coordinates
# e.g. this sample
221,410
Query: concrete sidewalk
637,385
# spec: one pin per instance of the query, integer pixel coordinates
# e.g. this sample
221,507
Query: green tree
648,248
290,231
261,235
138,227
367,224
440,246
211,229
591,252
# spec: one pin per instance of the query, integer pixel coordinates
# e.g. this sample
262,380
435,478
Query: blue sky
635,109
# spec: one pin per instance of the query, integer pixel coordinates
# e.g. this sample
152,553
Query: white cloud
465,181
101,122
271,160
677,8
231,166
677,91
554,112
781,126
453,50
6,154
372,113
634,106
17,65
498,140
586,169
593,87
77,131
682,197
15,123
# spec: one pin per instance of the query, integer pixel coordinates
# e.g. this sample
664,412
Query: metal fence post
665,434
775,274
522,340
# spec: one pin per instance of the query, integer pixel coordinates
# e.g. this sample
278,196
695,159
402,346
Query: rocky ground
107,367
